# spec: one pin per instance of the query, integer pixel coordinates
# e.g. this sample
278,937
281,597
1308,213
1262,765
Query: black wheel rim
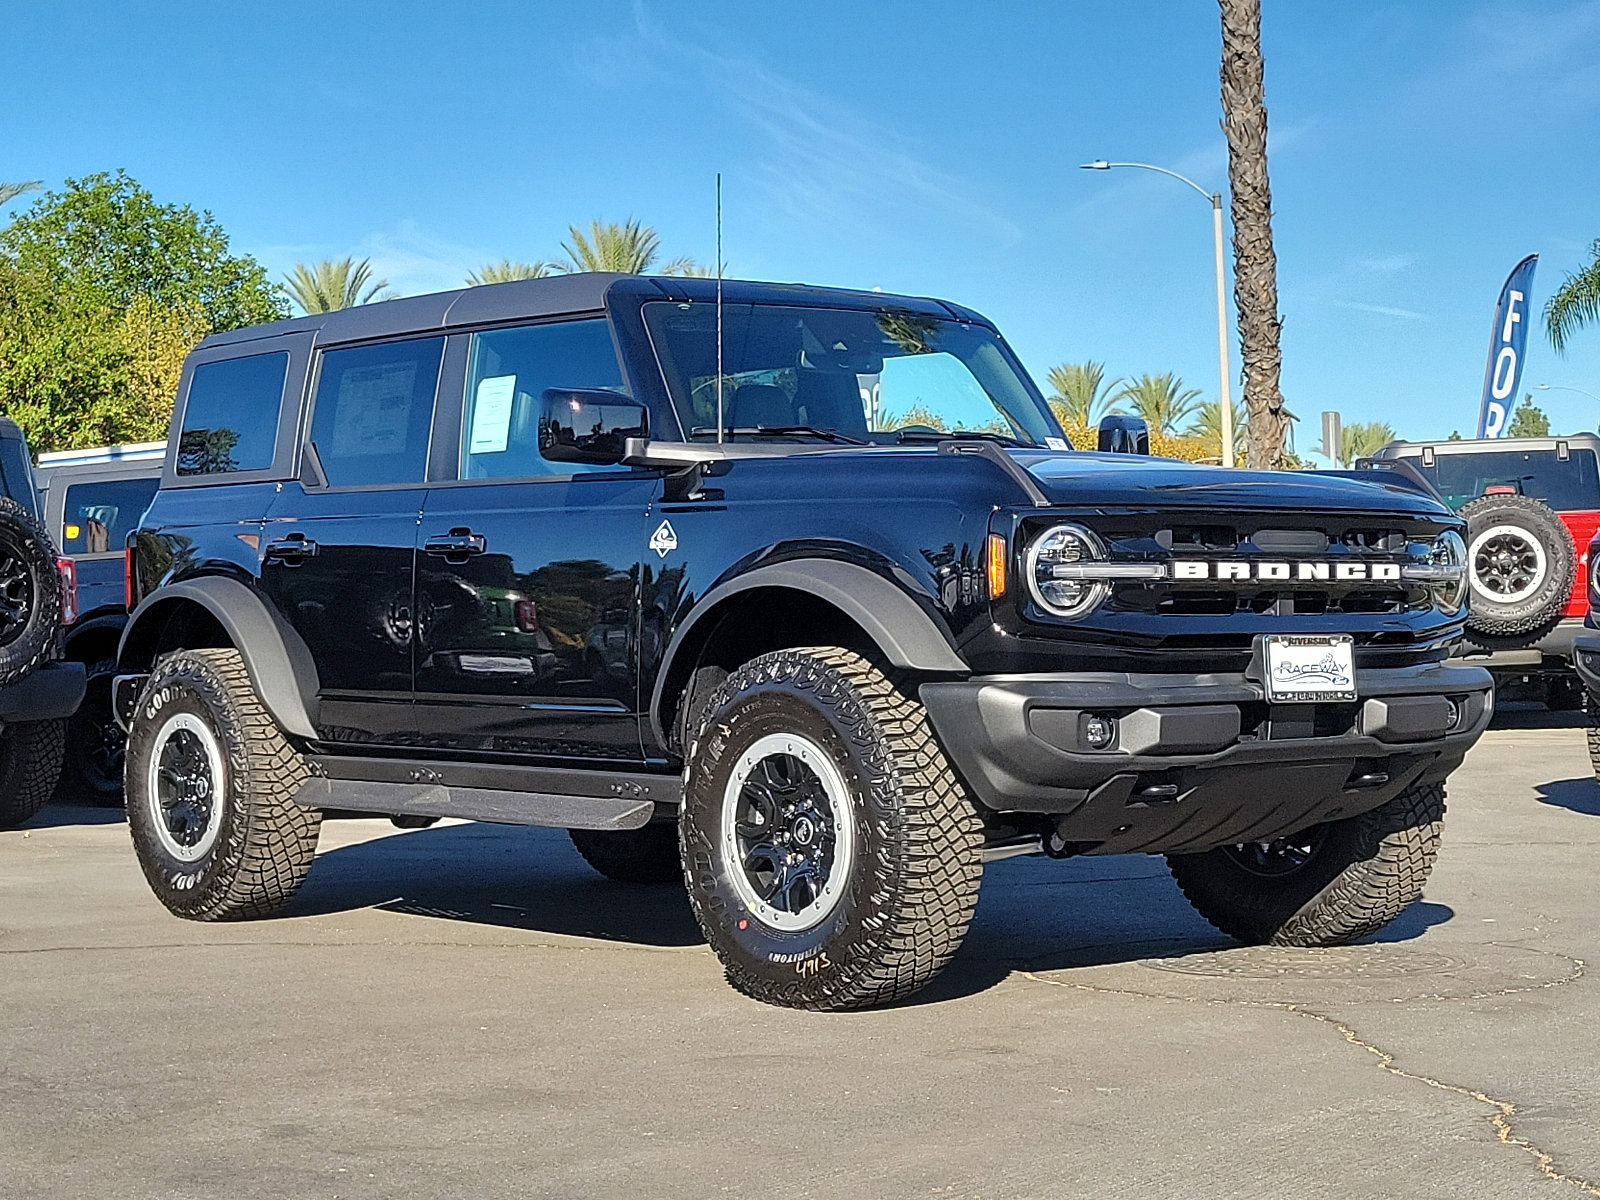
185,790
787,851
1279,857
17,596
1507,565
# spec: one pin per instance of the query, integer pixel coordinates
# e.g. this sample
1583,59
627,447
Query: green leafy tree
631,248
1079,392
1576,302
1360,439
103,291
1161,400
332,284
1207,427
1529,420
10,191
507,270
107,239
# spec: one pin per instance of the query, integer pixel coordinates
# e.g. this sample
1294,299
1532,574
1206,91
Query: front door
339,547
528,570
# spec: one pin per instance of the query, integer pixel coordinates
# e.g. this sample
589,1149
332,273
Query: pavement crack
1503,1110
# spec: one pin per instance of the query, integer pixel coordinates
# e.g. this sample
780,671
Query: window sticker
1055,443
491,414
373,410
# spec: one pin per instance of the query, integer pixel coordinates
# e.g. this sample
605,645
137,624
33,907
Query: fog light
1454,719
1099,732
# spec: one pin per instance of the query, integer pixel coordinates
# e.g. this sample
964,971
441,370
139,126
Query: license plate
1304,668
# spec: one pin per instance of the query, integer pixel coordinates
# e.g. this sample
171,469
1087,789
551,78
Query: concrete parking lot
468,1011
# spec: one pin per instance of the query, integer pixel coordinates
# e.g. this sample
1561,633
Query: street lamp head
1098,164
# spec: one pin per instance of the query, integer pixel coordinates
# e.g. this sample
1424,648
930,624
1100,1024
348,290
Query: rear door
339,544
528,570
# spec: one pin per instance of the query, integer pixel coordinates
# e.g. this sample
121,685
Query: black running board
564,799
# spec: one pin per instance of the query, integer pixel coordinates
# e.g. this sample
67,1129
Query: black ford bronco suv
796,594
37,597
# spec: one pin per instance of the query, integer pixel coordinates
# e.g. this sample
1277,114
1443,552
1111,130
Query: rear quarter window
230,421
97,517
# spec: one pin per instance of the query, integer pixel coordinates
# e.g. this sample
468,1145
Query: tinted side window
16,475
510,369
374,410
99,516
1570,484
230,422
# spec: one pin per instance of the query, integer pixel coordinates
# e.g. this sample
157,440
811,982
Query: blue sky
1418,150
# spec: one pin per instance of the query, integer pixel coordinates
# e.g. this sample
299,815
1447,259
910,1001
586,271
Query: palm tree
328,285
1576,303
1079,392
631,248
1255,265
10,191
1360,439
506,270
1161,400
1207,427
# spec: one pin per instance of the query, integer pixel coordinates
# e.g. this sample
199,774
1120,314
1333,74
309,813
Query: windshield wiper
827,435
947,435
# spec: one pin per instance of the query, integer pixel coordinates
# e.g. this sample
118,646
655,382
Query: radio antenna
720,421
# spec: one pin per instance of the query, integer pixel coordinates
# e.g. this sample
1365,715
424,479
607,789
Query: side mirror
588,426
1124,435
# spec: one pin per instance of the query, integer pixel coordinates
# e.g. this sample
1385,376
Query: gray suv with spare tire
798,595
37,690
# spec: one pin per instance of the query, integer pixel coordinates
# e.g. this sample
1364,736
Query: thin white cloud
1384,264
1383,310
822,161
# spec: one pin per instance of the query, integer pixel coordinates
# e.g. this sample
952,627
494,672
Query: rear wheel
30,592
95,742
30,764
211,785
647,855
1591,709
1328,884
832,856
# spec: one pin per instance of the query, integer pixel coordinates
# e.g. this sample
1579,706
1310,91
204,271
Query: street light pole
1215,199
1561,387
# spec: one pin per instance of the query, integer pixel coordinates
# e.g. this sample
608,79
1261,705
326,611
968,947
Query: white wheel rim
812,826
1513,558
185,783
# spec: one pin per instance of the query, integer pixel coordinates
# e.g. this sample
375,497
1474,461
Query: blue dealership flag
1506,342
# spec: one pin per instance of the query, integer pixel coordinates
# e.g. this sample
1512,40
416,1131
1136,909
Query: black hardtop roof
560,295
1399,449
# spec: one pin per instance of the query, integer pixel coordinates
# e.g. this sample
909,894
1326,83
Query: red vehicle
1533,511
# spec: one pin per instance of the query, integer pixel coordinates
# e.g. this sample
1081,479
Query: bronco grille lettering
1280,572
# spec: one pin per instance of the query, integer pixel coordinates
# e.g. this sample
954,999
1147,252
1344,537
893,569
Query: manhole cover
1337,962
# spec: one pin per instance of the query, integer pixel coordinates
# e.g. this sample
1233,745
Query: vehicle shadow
1577,795
57,815
1034,913
1525,714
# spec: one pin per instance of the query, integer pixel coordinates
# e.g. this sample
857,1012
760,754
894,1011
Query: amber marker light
997,566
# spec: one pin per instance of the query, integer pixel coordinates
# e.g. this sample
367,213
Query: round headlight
1449,591
1055,585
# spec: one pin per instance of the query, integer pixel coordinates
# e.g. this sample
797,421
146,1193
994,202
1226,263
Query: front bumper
1201,761
49,693
1551,654
1586,660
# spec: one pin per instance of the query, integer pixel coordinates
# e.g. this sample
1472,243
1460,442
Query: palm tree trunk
1255,266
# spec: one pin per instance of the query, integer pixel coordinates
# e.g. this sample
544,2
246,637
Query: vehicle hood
1089,480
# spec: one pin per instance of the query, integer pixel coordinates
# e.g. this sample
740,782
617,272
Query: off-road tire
907,892
30,763
264,842
1365,871
645,855
30,593
95,743
1591,711
1552,565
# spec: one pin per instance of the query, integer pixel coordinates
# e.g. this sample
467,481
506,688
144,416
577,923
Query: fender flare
277,660
901,628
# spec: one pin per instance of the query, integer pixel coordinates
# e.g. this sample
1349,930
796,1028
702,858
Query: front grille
1184,603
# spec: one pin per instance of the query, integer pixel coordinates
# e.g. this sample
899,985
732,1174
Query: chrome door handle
458,543
292,550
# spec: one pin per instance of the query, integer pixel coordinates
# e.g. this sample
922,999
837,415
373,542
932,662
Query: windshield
883,376
1566,484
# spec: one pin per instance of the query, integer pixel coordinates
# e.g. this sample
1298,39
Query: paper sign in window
491,414
373,410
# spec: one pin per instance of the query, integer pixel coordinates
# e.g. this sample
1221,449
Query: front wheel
1328,884
210,792
832,856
